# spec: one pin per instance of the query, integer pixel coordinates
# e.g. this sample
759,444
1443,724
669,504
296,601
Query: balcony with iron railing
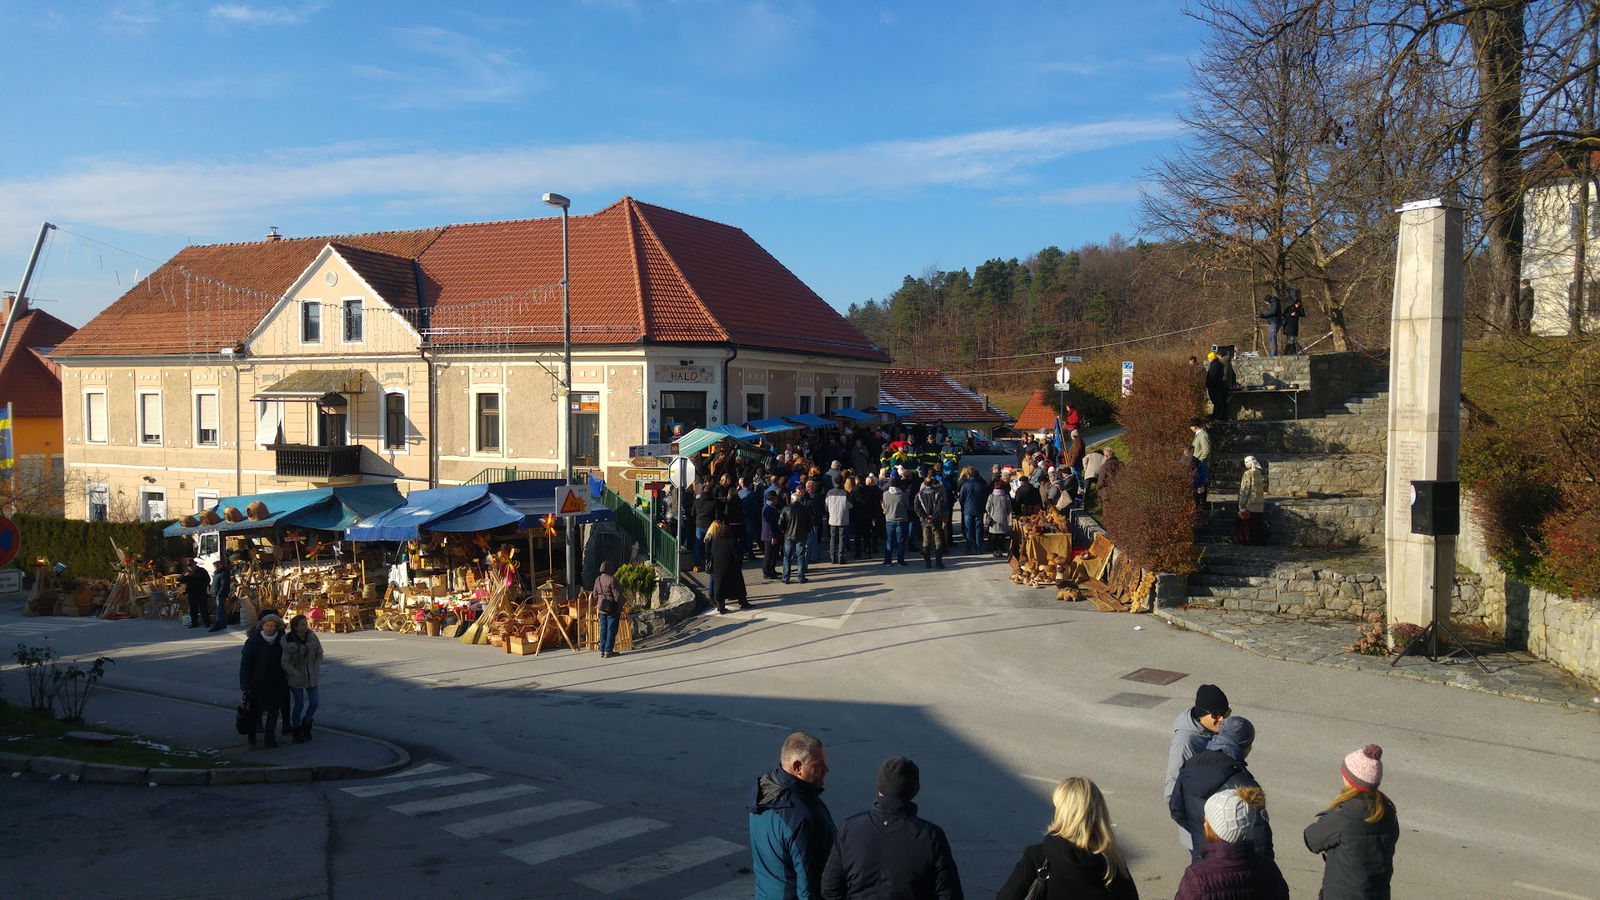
303,462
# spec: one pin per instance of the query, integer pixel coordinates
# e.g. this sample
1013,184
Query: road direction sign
661,450
644,474
10,581
648,462
571,501
10,540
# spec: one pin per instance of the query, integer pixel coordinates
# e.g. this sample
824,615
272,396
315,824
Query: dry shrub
1572,544
1148,508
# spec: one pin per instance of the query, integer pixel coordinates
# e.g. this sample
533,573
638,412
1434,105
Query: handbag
244,718
1041,883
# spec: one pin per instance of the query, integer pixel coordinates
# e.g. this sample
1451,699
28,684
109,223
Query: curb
105,773
1259,650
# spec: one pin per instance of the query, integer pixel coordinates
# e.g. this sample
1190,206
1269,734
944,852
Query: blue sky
857,141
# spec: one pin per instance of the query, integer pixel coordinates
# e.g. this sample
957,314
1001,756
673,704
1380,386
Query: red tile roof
639,273
1038,414
30,384
931,395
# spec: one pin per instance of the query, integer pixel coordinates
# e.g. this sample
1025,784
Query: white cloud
445,68
1080,195
216,199
246,14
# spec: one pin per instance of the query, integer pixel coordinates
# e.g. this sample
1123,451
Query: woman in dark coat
262,679
727,568
1079,853
1356,834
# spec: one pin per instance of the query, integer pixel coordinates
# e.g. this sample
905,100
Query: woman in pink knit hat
1356,834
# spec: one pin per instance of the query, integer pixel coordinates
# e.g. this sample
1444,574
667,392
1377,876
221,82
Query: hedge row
86,546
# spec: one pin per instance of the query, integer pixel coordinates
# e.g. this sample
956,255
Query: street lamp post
566,379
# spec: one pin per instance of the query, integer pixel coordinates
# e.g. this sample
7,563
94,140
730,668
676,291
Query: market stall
288,552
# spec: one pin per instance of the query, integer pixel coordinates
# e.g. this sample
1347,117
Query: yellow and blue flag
7,456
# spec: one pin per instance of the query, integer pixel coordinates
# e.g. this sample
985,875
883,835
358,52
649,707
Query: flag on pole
1059,445
7,455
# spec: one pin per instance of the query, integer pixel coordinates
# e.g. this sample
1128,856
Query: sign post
1127,377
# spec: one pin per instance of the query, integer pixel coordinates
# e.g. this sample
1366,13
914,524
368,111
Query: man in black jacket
197,587
888,851
1274,320
1220,767
932,509
794,523
1217,386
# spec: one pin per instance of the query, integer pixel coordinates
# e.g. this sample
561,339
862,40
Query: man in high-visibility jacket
928,457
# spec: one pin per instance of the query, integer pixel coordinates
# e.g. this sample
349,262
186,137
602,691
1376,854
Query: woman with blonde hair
1078,857
1357,833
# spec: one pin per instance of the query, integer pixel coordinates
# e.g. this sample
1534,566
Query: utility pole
19,303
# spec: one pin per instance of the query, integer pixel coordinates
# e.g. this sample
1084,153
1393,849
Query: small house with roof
929,395
432,357
31,384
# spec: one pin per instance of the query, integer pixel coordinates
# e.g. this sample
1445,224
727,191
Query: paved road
568,776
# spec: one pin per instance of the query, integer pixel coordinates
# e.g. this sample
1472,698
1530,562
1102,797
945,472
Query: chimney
272,234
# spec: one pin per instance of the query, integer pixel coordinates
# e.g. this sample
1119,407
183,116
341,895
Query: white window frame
300,321
500,451
142,419
344,302
269,421
201,495
195,417
89,490
383,419
144,506
105,417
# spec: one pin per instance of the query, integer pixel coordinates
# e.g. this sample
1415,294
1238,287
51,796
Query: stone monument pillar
1424,404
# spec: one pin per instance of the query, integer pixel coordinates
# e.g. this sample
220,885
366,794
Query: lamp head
556,200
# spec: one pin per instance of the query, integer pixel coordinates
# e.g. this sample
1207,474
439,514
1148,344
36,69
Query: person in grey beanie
1220,767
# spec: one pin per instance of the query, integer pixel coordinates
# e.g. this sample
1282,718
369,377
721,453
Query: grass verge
29,733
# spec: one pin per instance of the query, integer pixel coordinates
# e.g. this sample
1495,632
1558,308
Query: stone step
1359,408
1304,473
1207,579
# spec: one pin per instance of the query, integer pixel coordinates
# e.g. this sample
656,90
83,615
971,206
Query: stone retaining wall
1340,522
1310,591
1290,476
1335,434
1331,377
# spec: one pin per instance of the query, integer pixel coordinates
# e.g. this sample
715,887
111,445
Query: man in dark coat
1290,330
1220,767
726,555
222,592
888,851
1274,319
932,509
1027,501
974,494
791,830
1217,386
771,535
608,602
794,524
197,587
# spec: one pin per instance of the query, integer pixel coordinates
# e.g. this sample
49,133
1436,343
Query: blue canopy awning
889,409
468,507
735,431
322,509
853,413
771,426
811,420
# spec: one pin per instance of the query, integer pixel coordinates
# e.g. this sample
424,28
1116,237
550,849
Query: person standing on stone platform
1217,387
1274,319
1290,330
1252,504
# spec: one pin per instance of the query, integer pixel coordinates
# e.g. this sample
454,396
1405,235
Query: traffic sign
1063,376
682,470
648,462
10,540
571,501
656,487
1127,377
644,474
665,449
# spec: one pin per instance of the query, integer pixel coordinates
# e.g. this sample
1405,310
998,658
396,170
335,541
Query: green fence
657,544
499,474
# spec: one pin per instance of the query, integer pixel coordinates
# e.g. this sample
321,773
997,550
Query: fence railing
659,546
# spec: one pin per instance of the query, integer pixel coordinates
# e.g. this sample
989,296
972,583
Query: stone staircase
1325,474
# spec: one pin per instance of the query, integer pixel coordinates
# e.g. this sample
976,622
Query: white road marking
516,818
583,839
424,769
471,798
733,890
36,627
659,864
378,790
1550,891
762,724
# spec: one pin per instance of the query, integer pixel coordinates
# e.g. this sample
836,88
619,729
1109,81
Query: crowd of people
869,495
798,852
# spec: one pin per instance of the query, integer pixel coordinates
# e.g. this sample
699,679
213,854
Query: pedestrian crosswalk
658,861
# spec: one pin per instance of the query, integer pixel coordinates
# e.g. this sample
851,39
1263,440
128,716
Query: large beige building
430,357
